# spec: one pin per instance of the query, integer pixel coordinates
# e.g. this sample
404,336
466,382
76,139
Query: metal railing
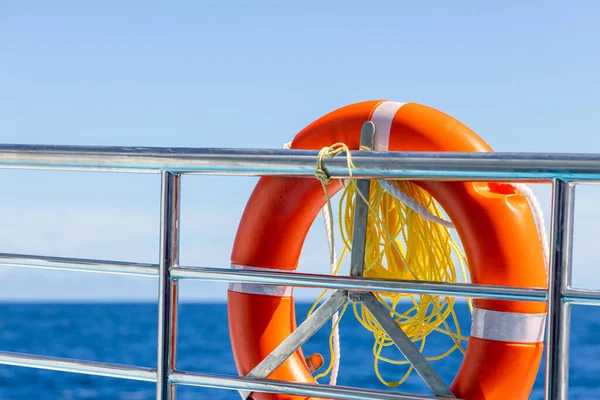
562,170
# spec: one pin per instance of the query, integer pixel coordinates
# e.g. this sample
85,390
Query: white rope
413,204
526,191
334,321
521,188
335,369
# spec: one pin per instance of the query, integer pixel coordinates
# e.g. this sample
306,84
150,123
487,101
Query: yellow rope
400,245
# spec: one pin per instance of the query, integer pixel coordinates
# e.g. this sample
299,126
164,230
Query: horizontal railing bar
582,296
78,264
358,284
78,366
302,389
194,379
408,165
575,296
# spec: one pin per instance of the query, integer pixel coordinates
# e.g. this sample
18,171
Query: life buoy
494,223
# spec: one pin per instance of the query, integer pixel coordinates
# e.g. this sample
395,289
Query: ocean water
126,334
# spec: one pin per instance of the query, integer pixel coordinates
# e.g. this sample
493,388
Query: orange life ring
495,225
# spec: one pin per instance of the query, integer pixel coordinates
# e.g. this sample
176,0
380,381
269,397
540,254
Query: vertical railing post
559,311
167,287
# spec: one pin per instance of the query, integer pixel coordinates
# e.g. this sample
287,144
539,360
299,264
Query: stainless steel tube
359,284
573,296
409,165
582,296
167,287
196,379
78,264
559,313
260,385
78,366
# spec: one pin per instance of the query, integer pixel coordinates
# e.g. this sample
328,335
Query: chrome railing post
559,281
167,287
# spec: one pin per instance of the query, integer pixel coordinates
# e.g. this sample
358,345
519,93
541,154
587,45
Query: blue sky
233,74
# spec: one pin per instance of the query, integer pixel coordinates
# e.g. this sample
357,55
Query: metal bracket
361,209
406,347
297,338
339,298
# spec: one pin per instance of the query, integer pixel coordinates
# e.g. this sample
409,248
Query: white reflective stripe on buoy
508,326
383,118
256,288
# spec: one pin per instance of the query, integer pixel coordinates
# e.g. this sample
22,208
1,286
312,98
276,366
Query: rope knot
331,152
320,172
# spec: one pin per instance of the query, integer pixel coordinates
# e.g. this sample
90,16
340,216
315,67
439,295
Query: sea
126,334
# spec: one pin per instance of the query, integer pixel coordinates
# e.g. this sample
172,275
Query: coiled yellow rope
400,244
